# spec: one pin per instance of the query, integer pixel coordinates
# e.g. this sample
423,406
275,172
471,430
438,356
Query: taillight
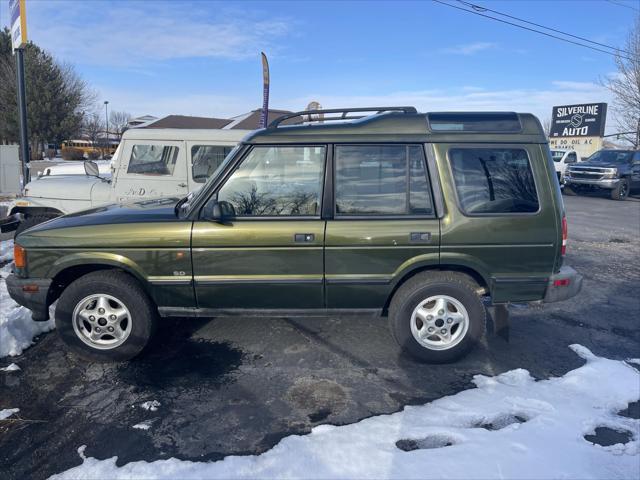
19,256
563,251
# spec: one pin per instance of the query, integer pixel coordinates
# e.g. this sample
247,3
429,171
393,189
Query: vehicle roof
398,127
184,134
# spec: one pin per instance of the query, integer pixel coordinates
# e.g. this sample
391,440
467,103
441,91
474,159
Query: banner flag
264,115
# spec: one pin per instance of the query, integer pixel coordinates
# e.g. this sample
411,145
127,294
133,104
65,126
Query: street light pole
106,123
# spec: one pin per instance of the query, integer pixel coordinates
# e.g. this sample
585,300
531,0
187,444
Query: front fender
97,258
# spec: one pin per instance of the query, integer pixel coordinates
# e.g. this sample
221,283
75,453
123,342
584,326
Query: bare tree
118,122
93,128
625,87
546,126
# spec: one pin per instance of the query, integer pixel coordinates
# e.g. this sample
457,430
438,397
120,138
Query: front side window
153,159
381,180
206,159
277,181
493,180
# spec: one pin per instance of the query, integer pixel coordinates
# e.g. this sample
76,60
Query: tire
135,326
32,221
457,290
621,192
569,191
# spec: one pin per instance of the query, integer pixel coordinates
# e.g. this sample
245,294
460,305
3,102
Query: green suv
423,218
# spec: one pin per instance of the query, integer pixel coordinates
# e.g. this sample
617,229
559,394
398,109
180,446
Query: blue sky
202,58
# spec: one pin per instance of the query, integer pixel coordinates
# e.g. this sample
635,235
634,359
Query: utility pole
18,15
22,108
106,123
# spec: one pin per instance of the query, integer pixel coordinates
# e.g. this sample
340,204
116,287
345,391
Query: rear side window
381,180
493,180
153,160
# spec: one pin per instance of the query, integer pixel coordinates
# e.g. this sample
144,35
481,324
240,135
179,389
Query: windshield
557,155
611,156
192,198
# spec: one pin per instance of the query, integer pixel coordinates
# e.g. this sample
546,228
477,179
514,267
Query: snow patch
17,329
146,425
511,426
7,412
151,405
10,368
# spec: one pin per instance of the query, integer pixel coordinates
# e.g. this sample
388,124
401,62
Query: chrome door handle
303,237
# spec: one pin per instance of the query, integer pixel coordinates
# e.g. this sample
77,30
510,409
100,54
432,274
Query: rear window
493,180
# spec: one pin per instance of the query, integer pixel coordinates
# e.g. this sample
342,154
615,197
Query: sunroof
474,122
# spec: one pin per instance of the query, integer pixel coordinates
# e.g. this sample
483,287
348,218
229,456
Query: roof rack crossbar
344,114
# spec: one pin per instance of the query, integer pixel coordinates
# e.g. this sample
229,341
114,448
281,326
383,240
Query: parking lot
237,386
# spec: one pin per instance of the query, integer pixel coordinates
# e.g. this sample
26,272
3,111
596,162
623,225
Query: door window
277,181
493,180
381,180
205,160
153,159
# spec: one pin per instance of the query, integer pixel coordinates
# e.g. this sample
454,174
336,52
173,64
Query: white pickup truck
149,163
562,158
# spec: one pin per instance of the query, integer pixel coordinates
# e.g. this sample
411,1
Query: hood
143,211
598,164
145,223
63,187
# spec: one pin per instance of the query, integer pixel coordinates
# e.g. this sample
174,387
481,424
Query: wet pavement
237,386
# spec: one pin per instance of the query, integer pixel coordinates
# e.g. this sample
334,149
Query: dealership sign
18,15
586,120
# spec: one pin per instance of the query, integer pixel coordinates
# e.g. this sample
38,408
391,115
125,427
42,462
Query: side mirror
91,168
219,212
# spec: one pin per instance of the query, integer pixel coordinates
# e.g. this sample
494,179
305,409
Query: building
140,121
246,121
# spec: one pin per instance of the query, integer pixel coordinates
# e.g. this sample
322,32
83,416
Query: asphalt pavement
237,386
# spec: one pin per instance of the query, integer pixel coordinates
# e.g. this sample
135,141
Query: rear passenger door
383,222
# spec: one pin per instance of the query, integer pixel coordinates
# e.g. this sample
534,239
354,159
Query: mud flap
500,317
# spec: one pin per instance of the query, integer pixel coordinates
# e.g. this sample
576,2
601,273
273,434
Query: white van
149,163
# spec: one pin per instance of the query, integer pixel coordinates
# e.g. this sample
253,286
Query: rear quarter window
493,181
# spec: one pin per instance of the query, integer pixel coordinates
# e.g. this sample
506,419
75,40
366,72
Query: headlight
611,173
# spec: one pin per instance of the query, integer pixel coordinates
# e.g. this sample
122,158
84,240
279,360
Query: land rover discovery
422,218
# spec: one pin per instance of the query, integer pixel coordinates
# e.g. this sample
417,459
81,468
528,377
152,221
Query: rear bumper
34,297
609,183
563,285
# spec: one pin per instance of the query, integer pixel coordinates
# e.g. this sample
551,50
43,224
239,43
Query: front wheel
621,192
569,190
105,316
437,317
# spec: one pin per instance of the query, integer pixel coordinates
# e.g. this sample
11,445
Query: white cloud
132,34
469,48
538,101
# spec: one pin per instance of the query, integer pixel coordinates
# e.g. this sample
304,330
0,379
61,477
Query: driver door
269,253
152,169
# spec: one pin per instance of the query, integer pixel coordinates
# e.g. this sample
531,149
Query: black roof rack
344,114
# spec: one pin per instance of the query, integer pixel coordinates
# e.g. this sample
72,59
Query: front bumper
31,293
10,223
608,183
563,285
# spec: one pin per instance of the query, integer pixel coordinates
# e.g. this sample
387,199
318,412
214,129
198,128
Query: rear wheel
32,221
621,192
437,317
105,316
